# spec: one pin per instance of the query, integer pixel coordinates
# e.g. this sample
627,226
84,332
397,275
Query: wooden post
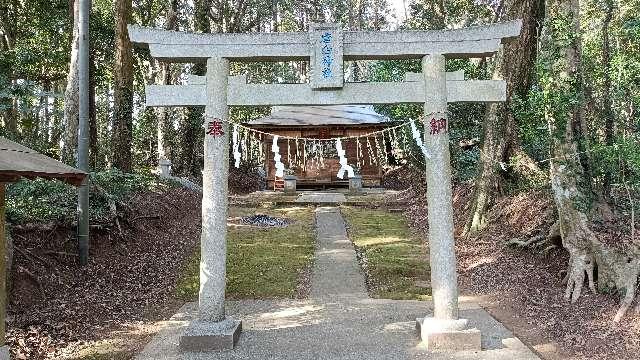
4,349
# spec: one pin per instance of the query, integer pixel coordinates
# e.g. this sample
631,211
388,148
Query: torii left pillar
213,330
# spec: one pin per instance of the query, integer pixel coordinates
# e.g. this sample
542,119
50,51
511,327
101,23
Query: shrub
39,200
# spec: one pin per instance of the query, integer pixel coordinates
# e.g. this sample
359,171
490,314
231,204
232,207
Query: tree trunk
607,112
46,126
514,64
274,16
93,125
9,116
165,75
191,128
560,57
7,42
123,92
71,101
57,123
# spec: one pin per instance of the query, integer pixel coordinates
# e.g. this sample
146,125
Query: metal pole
4,349
83,128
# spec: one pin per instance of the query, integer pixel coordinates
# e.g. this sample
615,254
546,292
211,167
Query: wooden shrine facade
321,122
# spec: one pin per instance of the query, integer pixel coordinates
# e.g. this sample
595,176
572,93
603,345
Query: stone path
339,321
336,272
321,198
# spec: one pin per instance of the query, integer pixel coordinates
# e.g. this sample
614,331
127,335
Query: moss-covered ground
395,259
261,262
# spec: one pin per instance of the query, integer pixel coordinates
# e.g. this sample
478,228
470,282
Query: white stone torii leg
444,330
213,243
212,329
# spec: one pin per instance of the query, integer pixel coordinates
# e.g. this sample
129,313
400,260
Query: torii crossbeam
326,46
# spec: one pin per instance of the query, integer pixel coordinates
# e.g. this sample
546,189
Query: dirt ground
60,310
523,288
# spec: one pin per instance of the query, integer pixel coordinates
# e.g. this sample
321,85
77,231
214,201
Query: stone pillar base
355,184
164,167
4,352
290,184
449,335
207,335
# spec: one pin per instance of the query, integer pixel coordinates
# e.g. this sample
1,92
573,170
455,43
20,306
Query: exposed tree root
617,269
532,242
114,207
544,243
620,271
580,263
629,277
34,278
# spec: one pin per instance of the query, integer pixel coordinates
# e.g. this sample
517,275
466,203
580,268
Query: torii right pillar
445,330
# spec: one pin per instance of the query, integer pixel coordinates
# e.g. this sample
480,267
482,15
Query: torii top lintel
326,46
175,46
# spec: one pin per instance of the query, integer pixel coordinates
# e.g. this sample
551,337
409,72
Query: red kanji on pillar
438,126
214,127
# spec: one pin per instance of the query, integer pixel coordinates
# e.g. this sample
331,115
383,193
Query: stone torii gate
326,46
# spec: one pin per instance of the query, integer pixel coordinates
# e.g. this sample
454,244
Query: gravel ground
341,329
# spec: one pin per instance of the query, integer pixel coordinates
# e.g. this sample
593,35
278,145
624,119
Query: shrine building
318,165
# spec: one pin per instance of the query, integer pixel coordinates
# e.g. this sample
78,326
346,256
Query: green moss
396,258
261,262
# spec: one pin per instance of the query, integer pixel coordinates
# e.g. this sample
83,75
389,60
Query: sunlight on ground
123,343
292,311
400,326
368,241
288,317
480,262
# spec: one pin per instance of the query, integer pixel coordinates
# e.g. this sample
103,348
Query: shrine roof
17,161
345,115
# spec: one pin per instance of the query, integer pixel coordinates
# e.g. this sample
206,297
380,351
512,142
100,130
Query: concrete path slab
339,322
321,198
336,272
366,329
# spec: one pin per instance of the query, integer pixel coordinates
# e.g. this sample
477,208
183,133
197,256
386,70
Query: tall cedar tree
514,64
191,127
71,101
123,92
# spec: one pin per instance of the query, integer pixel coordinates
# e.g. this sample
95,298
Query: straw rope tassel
358,154
289,152
276,157
236,145
372,158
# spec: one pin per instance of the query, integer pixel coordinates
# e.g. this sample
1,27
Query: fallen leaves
127,281
524,288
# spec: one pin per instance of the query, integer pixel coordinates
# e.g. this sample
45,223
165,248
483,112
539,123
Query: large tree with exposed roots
562,84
